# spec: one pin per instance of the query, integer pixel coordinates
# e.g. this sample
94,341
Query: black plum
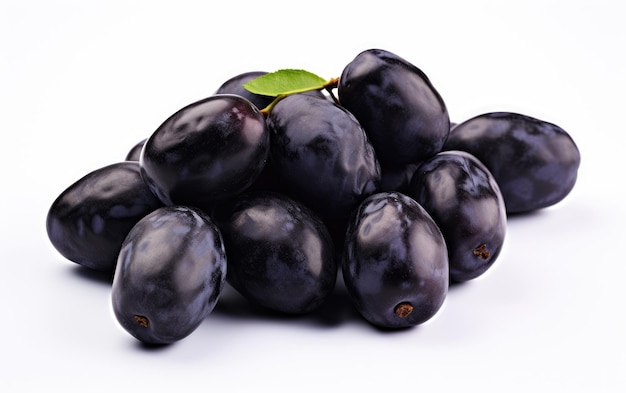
89,220
463,198
280,254
395,262
211,149
322,155
397,105
534,162
169,276
280,196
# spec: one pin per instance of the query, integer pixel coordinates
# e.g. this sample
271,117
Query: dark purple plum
322,155
88,221
280,254
212,149
401,111
463,198
395,262
169,276
534,162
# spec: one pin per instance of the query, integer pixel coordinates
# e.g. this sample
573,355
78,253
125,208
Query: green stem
266,111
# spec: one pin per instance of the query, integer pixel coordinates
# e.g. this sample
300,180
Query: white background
83,81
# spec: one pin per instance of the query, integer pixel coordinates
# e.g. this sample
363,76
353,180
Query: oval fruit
87,223
463,198
280,254
209,150
401,111
395,262
534,162
170,273
322,155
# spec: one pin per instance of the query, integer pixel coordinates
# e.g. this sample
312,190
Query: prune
211,149
397,105
463,198
280,255
322,155
169,276
395,262
88,222
135,152
534,162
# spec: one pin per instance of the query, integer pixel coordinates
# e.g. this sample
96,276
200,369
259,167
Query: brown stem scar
482,252
403,310
141,320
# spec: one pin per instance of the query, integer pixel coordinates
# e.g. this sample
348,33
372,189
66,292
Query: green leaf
285,81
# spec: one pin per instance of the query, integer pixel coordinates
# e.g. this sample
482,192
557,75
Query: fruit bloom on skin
290,185
88,222
534,162
169,275
395,262
465,201
404,116
280,254
211,149
322,155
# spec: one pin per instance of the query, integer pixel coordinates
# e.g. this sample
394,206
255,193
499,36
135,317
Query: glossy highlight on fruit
211,149
88,221
170,273
280,254
322,155
395,262
401,111
534,162
465,202
273,193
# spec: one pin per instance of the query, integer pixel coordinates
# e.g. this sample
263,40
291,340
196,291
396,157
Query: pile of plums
373,185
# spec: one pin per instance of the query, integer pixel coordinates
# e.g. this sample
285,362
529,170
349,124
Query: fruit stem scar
141,320
403,310
482,252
